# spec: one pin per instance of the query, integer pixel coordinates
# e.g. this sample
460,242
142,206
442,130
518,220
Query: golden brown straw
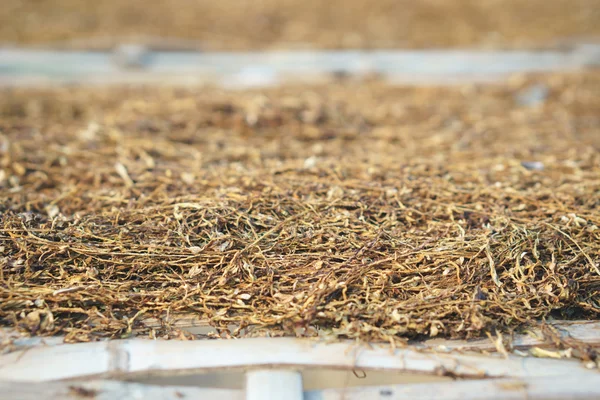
353,210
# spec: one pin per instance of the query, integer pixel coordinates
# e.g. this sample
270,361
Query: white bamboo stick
567,387
274,384
587,332
110,390
26,66
144,357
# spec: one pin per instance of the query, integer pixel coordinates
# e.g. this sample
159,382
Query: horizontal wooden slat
585,332
142,357
567,387
110,390
28,67
177,321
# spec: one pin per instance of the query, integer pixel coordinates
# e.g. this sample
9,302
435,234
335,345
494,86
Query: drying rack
480,369
524,367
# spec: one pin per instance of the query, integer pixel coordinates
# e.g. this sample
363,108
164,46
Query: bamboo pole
110,390
586,332
567,387
134,357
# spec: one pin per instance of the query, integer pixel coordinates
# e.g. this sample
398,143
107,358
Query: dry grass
236,24
347,210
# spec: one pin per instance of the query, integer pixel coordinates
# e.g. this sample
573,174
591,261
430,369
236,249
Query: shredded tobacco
332,24
352,209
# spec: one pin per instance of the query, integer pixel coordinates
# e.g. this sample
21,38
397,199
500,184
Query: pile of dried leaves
351,209
248,24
